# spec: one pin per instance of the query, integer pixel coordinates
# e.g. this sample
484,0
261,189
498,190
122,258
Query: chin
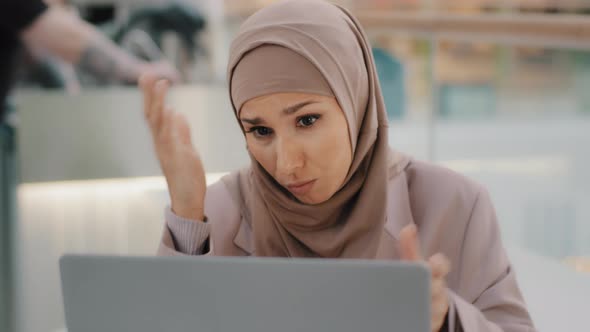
313,199
307,201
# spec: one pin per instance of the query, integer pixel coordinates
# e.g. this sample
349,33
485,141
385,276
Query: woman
323,181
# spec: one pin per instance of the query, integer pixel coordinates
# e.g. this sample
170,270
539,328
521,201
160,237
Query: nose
289,158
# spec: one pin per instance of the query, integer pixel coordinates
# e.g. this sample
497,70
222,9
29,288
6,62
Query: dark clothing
15,16
8,183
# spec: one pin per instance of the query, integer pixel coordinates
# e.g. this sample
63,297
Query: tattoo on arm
108,63
99,63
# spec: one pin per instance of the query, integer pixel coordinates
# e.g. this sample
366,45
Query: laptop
215,294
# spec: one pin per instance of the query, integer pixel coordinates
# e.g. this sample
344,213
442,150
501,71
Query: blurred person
126,66
323,181
32,24
135,35
61,33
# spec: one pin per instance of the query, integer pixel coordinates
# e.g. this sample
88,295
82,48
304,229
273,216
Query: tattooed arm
63,34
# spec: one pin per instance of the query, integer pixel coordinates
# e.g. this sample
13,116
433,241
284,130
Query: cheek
332,155
263,155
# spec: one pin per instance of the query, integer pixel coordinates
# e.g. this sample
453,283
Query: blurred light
118,186
580,264
534,166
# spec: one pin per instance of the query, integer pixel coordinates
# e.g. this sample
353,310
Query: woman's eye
260,131
307,120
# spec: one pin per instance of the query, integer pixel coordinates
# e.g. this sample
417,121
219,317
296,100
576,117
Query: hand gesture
179,160
439,267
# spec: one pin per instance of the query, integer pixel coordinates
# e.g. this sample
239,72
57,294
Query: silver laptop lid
206,294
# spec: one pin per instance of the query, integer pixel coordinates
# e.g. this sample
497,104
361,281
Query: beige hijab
350,223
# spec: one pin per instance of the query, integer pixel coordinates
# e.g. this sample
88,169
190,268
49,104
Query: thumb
408,244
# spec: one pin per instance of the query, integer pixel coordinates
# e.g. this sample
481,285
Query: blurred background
496,90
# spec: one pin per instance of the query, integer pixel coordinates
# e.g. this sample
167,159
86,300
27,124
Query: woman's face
301,140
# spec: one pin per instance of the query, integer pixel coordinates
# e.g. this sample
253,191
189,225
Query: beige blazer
453,214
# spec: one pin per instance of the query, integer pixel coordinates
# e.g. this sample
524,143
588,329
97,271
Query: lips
300,188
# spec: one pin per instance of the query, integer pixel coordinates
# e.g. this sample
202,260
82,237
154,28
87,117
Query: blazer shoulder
429,180
440,196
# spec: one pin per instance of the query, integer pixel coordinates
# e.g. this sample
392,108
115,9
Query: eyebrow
286,111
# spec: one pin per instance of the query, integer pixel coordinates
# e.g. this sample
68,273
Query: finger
146,80
437,319
181,129
167,123
158,104
409,245
146,83
437,316
437,288
440,307
440,265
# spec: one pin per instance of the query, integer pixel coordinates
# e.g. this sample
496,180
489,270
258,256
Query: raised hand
179,160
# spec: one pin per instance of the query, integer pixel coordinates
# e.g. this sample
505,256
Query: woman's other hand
439,267
179,160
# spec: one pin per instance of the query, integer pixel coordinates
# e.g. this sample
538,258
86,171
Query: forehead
277,101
